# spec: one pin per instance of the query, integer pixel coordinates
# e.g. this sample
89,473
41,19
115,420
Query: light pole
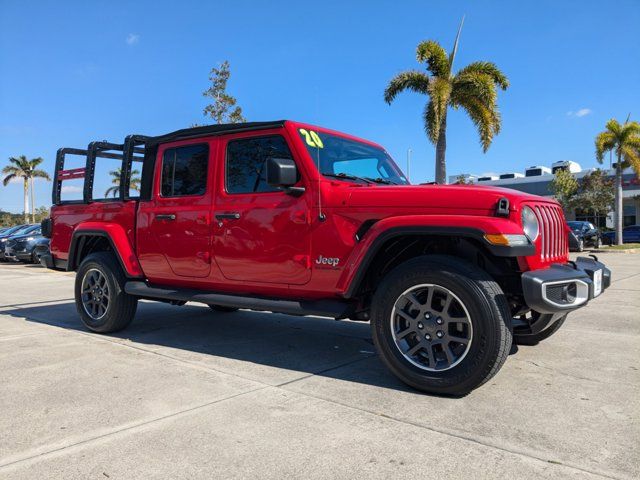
409,151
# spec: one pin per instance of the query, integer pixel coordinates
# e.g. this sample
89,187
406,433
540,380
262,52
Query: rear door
174,227
261,233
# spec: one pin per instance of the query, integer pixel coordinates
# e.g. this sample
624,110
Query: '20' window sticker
311,137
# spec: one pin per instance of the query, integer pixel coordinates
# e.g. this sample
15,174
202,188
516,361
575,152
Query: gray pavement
189,393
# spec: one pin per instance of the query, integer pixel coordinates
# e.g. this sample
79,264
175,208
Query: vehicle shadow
272,348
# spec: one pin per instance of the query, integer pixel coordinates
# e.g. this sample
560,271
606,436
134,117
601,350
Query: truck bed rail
131,150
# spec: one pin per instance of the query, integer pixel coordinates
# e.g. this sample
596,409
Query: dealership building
537,179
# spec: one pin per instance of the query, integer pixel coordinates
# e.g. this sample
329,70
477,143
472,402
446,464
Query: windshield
351,160
575,225
12,230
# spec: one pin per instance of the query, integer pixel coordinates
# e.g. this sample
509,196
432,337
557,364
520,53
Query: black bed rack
131,150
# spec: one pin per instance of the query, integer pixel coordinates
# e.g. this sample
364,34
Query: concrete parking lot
189,393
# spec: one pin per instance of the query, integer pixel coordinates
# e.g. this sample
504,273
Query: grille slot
553,241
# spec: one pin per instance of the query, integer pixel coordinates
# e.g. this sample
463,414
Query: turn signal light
506,240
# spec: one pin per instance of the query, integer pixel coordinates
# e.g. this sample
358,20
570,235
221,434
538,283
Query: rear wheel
441,325
598,243
101,301
220,308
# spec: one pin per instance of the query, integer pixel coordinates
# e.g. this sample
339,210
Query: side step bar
322,308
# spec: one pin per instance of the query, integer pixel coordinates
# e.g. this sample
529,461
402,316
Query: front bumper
563,288
16,255
9,254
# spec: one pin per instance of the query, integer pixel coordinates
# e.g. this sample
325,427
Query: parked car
585,234
8,232
630,234
42,248
292,218
22,247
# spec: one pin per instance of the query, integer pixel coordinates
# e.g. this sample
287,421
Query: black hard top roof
217,129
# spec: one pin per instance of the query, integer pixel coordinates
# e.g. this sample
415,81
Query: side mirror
283,173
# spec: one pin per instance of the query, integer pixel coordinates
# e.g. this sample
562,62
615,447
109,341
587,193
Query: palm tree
134,182
624,141
26,169
473,88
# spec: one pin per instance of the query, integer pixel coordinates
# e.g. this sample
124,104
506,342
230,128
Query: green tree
596,194
27,169
624,141
472,88
114,189
564,187
224,108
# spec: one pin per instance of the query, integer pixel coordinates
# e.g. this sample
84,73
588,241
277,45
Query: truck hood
455,199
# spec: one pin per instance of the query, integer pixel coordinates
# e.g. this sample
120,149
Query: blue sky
73,72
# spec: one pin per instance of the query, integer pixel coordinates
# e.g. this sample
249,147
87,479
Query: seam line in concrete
453,433
128,428
26,305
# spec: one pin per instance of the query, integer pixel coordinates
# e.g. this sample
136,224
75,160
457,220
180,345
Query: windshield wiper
381,180
346,176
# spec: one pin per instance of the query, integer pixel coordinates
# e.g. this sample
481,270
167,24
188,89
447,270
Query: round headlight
530,224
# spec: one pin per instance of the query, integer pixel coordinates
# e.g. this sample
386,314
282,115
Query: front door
261,233
174,227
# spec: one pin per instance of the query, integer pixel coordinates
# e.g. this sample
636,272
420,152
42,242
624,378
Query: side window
184,171
246,160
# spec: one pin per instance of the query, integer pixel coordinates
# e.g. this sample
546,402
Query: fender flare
475,228
118,239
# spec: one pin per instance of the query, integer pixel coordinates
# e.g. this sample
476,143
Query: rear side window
246,160
184,171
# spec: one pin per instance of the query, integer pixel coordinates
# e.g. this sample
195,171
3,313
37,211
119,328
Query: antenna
321,216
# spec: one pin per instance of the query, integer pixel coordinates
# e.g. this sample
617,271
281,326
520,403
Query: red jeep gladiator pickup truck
292,218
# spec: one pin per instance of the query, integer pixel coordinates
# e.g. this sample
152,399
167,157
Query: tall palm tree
134,182
473,88
624,141
27,169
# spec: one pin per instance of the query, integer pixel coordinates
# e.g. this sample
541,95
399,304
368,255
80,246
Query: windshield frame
397,176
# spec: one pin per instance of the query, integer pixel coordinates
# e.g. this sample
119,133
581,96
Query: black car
20,246
584,234
9,232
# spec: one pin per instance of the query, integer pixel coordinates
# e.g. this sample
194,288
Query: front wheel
441,325
101,301
581,245
598,243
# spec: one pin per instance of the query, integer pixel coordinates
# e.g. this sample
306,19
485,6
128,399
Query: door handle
228,216
169,216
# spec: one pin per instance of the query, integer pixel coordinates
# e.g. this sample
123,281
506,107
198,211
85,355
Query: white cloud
132,39
71,189
583,112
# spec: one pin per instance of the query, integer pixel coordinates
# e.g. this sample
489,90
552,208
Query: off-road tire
540,336
223,309
121,307
488,311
